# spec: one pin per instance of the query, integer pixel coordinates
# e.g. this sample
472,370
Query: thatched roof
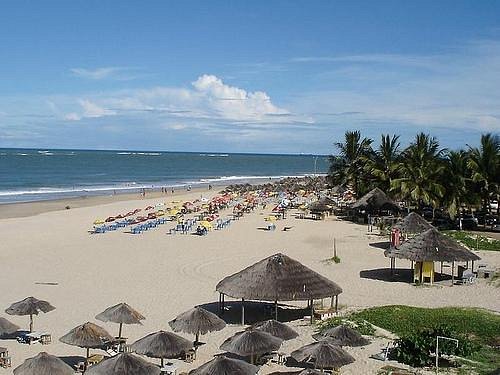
413,223
323,355
87,335
375,200
197,321
121,313
322,205
43,364
162,344
29,306
124,364
433,246
277,329
343,335
278,278
6,327
222,365
251,342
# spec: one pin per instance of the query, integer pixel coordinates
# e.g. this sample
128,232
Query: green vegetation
480,327
474,241
421,174
360,325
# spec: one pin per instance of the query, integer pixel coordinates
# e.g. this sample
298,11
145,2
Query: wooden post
276,310
243,311
472,266
223,303
331,303
452,273
334,248
219,306
336,304
312,311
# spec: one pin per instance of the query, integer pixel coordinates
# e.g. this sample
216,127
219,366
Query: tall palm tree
383,166
484,162
457,183
347,168
421,172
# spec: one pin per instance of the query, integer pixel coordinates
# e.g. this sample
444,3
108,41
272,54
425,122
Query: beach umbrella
43,364
124,364
162,345
251,343
277,329
99,222
6,327
29,306
343,335
323,355
197,321
87,335
222,365
122,314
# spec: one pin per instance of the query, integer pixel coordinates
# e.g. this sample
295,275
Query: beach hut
278,278
221,365
321,208
429,247
29,306
323,355
197,321
6,327
43,364
88,336
375,201
124,364
251,343
342,335
413,223
121,314
162,345
277,329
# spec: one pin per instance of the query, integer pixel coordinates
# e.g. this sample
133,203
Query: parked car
468,221
494,205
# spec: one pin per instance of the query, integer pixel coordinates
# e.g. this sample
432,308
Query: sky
246,76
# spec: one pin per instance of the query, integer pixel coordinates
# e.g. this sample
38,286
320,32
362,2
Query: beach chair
384,354
5,360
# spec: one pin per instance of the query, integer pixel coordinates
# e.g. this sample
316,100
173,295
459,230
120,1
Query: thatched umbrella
43,364
278,278
343,335
222,365
323,355
29,306
277,329
197,321
413,223
122,314
162,345
124,364
6,327
87,335
375,200
251,343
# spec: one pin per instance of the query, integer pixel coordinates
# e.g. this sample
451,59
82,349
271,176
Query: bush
360,325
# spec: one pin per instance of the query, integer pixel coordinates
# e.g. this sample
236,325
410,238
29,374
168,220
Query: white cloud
112,72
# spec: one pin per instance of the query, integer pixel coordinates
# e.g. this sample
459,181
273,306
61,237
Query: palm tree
484,163
383,167
457,182
421,172
347,167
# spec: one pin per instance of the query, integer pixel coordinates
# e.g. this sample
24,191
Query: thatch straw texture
413,223
222,365
277,329
250,343
343,335
278,278
121,313
124,364
162,344
43,364
323,355
197,321
6,327
87,335
431,246
375,200
322,205
29,306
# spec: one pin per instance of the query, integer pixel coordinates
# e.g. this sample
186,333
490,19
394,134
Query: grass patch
480,326
331,260
474,241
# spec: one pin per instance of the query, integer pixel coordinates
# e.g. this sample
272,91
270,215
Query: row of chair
138,229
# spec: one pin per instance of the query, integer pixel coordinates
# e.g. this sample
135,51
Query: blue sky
246,76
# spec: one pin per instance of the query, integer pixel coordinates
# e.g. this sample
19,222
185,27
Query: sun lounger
384,354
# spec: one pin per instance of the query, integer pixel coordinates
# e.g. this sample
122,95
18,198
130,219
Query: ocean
28,175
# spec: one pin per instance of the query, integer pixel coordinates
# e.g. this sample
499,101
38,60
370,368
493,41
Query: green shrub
360,325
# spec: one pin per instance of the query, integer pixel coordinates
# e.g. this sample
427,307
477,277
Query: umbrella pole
276,310
87,359
31,323
243,311
120,331
161,362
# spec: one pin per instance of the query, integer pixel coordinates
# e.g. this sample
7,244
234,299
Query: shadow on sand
401,275
384,245
256,311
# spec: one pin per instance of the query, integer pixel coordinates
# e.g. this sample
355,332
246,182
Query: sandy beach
47,252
